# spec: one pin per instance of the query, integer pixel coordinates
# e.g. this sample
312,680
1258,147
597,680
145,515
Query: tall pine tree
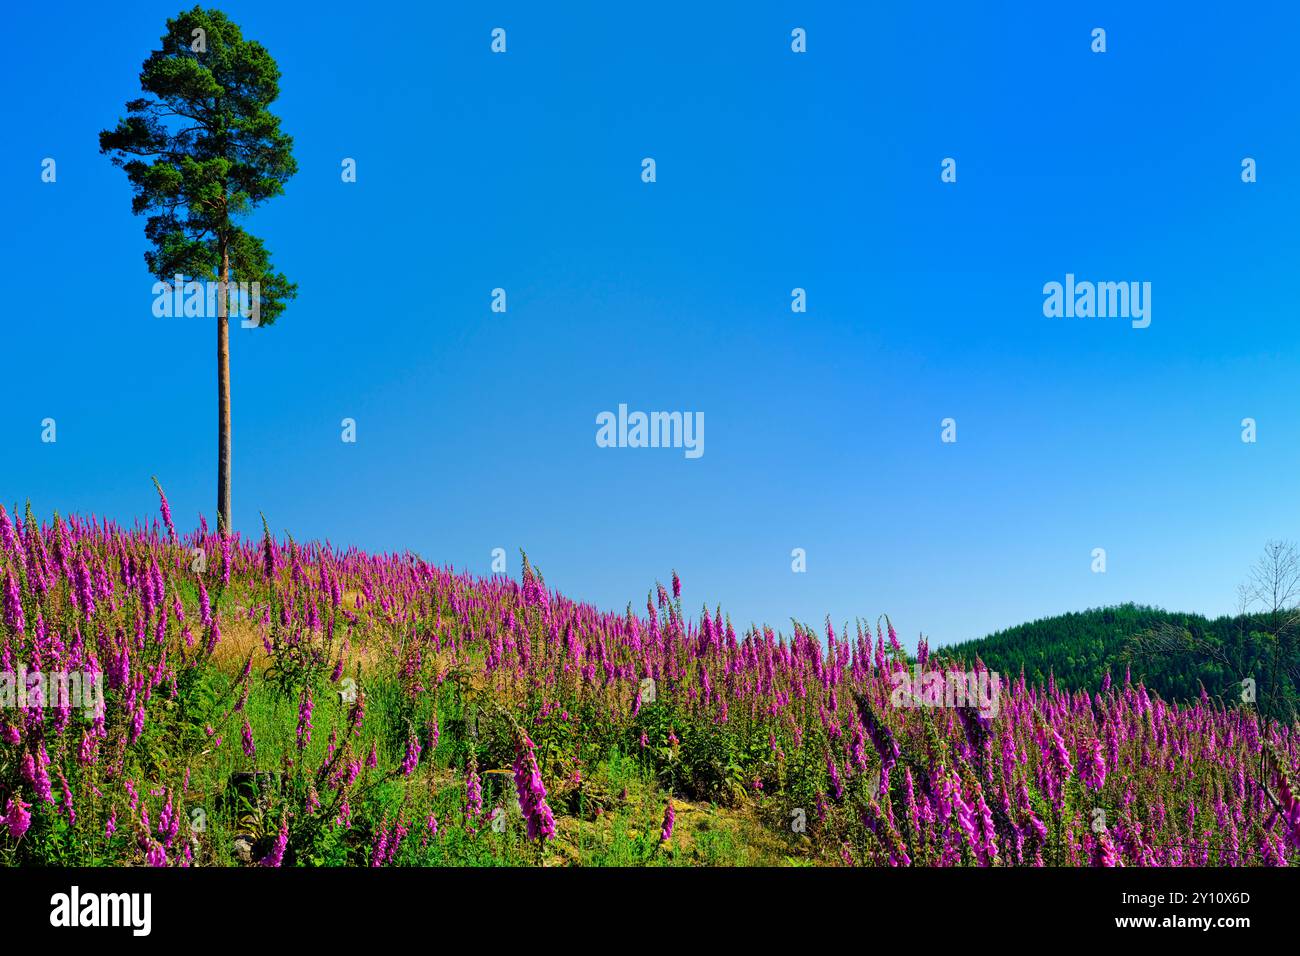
201,149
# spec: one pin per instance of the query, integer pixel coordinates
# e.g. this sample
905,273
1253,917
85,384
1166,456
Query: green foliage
201,149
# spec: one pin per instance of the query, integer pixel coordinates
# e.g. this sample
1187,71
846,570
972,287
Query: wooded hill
1174,653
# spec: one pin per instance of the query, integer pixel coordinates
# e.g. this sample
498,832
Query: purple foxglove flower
836,786
16,816
13,612
412,755
276,855
670,817
1092,764
166,510
532,794
304,718
473,795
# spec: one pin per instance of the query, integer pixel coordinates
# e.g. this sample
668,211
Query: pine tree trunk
223,395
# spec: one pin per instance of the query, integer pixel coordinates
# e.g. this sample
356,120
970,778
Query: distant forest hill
1172,653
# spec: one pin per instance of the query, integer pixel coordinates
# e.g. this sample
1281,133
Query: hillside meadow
267,702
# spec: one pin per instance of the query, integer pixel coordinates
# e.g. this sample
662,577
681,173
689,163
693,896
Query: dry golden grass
241,637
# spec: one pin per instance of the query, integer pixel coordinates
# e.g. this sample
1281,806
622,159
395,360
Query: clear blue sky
775,170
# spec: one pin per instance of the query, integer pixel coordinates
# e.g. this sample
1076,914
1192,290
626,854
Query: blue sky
775,170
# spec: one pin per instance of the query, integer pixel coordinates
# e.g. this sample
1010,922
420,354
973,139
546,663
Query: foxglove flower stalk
412,755
304,718
36,773
1061,754
16,817
214,635
988,832
169,821
14,617
966,820
1290,803
8,540
68,809
532,794
834,774
276,856
166,510
1092,764
1104,852
670,817
473,795
205,607
268,552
